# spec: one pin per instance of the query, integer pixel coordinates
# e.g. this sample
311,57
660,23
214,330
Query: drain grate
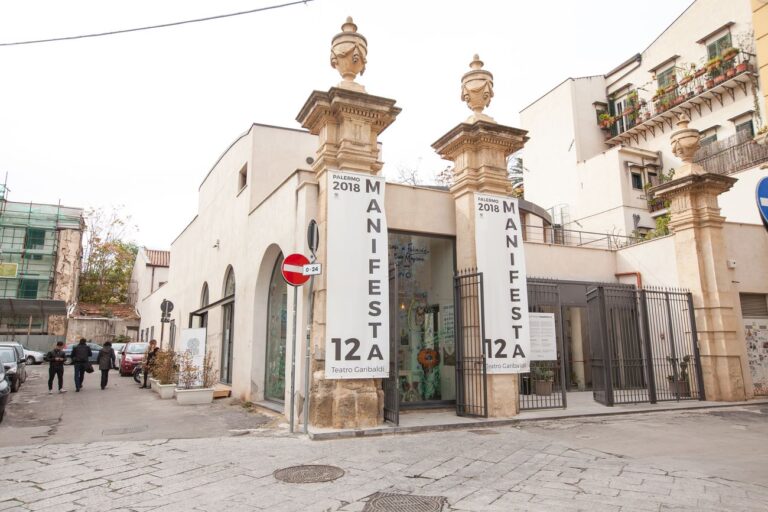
387,502
308,474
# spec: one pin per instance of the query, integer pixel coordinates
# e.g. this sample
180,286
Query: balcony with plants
692,90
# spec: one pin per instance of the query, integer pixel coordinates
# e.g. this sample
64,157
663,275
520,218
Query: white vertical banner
193,340
500,257
357,278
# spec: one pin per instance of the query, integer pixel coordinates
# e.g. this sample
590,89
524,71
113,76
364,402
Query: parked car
9,359
5,392
33,356
21,360
132,355
94,352
118,348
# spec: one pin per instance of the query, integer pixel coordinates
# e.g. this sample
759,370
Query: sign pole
293,356
313,242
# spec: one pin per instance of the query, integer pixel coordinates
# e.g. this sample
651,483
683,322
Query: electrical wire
152,27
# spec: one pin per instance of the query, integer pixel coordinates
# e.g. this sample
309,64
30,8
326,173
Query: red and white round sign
293,269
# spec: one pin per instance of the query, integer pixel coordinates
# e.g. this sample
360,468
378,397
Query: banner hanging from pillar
357,278
501,259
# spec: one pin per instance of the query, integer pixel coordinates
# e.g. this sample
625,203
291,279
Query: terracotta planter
710,83
679,388
719,79
741,67
196,396
699,72
647,116
730,73
543,388
685,80
166,391
699,89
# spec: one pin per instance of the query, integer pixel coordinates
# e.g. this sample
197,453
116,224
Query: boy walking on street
56,359
106,361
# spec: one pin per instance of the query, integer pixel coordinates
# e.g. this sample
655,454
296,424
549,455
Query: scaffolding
29,244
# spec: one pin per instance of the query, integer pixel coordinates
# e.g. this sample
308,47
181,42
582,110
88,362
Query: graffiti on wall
756,331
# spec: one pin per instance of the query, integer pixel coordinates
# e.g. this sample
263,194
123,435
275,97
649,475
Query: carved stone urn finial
477,90
685,143
349,50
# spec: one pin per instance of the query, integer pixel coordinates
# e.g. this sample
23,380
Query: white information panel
543,337
500,257
193,340
357,278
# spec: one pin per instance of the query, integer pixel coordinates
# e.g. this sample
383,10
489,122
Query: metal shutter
754,305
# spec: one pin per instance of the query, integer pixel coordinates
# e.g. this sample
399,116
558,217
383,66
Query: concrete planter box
153,384
543,387
164,390
195,396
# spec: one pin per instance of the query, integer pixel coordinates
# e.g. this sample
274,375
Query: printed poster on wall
193,340
543,337
357,278
500,257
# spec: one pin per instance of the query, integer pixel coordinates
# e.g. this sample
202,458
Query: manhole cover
308,474
386,502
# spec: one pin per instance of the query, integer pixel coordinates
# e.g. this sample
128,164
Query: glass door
277,315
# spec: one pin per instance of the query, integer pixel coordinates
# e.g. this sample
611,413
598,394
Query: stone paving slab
509,470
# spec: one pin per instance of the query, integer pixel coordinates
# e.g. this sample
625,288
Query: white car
33,356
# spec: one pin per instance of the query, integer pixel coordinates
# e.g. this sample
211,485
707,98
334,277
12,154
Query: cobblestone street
502,469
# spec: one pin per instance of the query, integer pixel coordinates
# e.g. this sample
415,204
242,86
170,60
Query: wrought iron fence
559,236
644,345
736,153
471,381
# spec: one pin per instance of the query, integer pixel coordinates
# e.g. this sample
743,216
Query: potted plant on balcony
686,75
195,383
166,372
699,72
729,53
680,387
543,379
659,94
606,120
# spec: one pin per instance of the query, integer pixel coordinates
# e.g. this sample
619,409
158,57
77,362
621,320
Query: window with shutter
754,305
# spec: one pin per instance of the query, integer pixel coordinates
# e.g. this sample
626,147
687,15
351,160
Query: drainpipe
636,274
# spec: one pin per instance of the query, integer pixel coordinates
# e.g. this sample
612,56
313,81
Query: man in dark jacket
56,359
106,361
80,356
149,360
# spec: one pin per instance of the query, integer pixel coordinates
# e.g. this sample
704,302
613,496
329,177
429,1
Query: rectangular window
27,289
754,305
35,238
666,77
709,139
242,178
151,333
653,178
746,127
637,181
715,48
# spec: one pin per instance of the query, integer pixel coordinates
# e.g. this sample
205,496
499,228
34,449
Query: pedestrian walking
149,360
56,358
81,355
106,362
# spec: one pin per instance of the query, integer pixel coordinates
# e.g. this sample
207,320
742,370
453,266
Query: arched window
277,315
227,333
204,301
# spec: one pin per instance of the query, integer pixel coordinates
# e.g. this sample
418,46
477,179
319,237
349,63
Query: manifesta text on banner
500,257
357,278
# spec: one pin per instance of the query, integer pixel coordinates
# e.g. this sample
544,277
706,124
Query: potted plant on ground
195,383
680,387
543,378
166,373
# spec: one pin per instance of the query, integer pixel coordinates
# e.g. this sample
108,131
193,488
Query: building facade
422,300
40,257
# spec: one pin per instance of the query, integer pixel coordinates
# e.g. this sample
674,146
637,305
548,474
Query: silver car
33,356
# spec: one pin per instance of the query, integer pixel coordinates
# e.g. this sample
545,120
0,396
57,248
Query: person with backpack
56,358
106,362
81,355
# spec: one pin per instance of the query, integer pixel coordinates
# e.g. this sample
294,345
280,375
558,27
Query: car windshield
136,348
7,355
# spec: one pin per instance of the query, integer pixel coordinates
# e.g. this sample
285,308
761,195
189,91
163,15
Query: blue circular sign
762,198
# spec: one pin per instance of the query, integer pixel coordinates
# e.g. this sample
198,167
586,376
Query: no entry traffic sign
293,269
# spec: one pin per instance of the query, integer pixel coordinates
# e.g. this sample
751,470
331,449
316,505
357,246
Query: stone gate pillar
347,121
701,266
479,148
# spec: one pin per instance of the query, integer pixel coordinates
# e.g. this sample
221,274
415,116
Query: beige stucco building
435,301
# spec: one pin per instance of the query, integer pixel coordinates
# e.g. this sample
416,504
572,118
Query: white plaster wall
748,245
585,91
419,209
569,263
655,260
739,204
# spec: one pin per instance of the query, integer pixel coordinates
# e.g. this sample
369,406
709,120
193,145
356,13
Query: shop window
35,238
242,178
714,49
637,181
27,289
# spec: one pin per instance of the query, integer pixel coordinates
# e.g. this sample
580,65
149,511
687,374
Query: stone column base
345,403
723,378
503,396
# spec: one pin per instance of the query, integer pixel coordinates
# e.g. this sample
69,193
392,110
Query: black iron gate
471,382
645,347
544,386
392,383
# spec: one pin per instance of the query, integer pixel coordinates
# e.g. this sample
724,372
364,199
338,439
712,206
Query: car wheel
2,414
15,385
30,360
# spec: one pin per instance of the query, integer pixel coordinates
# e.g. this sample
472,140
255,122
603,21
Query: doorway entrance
423,341
277,316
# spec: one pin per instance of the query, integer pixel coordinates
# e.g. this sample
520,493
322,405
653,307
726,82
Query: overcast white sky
139,119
